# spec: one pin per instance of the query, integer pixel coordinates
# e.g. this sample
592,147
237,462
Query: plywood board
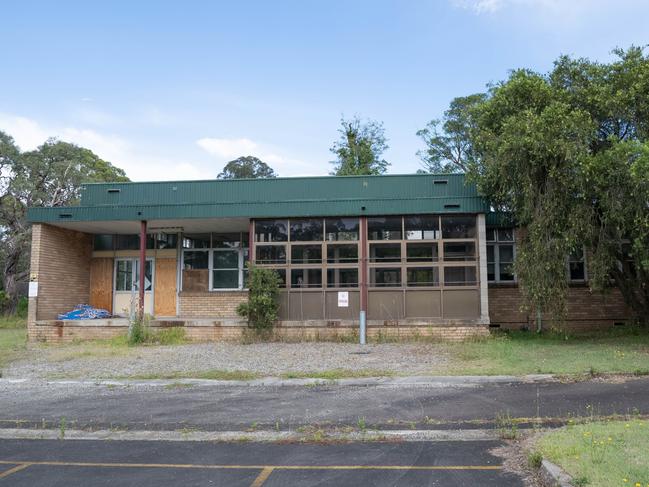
101,283
165,287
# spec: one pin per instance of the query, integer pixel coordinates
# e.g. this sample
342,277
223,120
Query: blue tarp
84,312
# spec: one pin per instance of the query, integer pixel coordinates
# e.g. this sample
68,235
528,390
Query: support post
363,280
142,268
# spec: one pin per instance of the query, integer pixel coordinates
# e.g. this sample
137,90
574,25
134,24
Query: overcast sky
174,90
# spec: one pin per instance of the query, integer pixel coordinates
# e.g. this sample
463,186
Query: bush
138,331
21,308
262,306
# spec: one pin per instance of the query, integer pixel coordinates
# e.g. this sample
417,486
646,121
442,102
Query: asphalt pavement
50,463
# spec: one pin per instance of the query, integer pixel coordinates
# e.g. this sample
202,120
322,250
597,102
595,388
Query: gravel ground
93,361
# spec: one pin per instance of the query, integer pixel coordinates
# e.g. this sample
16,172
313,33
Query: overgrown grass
13,338
519,353
601,453
334,374
200,374
12,322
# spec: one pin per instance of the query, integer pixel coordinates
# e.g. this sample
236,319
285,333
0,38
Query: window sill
211,293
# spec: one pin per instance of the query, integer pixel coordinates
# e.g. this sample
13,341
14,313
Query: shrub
262,306
138,331
21,307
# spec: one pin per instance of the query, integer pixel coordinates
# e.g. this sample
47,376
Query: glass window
282,276
127,242
384,228
196,241
385,252
577,266
422,252
506,262
226,240
342,277
423,276
491,234
225,279
195,259
385,277
458,227
459,276
454,251
225,259
148,275
124,275
422,227
341,228
306,254
306,278
307,230
505,234
342,253
103,242
166,240
270,254
271,230
491,263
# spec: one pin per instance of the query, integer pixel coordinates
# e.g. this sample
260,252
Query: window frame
496,244
134,282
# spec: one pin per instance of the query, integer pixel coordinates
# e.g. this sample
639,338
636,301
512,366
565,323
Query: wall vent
440,181
114,190
65,215
451,205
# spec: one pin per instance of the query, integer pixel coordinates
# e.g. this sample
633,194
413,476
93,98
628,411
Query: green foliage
262,306
51,175
449,150
139,331
21,308
566,154
247,167
168,336
359,149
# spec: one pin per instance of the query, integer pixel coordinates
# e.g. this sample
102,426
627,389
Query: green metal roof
277,197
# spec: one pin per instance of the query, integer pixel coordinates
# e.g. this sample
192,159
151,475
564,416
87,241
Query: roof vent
114,190
452,205
65,215
440,181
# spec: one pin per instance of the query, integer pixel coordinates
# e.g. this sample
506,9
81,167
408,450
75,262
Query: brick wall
586,310
60,263
210,304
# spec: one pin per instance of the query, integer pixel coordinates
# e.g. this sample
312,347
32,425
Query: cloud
139,166
227,149
551,6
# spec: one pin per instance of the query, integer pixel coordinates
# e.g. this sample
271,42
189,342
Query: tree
359,149
48,176
567,155
247,167
449,150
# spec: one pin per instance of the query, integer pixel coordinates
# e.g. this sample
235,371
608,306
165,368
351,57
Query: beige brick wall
210,304
60,263
586,310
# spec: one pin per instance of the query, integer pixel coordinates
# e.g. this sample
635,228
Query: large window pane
196,241
193,259
458,227
225,279
385,252
306,230
385,277
491,272
226,240
306,278
454,251
342,277
271,230
271,254
148,275
459,276
422,227
103,242
127,242
576,266
422,252
305,254
506,253
337,254
341,229
384,228
506,271
505,234
166,240
124,275
423,276
225,259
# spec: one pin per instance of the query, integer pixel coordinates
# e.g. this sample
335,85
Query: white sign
33,290
343,299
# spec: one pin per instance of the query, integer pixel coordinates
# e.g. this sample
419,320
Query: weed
507,428
535,459
362,425
62,424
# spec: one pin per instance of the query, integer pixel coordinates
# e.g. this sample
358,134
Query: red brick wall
60,263
586,310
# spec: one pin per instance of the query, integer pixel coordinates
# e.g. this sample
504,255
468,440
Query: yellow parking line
261,478
254,467
17,468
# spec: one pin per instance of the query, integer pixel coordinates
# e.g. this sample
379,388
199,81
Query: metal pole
142,267
363,280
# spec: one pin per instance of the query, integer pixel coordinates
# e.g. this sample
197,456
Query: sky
175,90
